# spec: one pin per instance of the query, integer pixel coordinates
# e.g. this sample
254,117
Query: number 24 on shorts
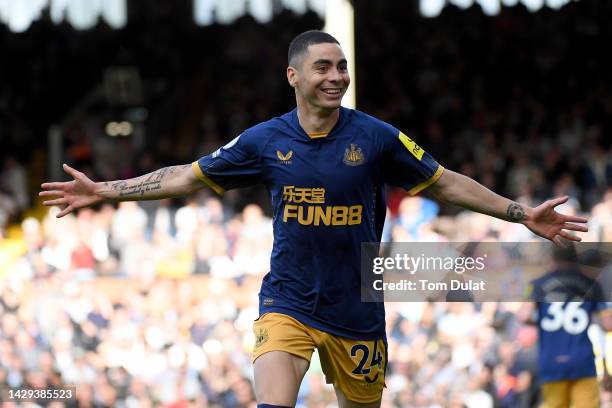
363,351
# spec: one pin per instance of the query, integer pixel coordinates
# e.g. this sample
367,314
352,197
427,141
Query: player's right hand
80,192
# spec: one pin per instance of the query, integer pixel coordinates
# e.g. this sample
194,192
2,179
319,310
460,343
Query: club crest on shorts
261,337
353,156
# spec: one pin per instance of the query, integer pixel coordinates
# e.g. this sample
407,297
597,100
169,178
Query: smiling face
320,77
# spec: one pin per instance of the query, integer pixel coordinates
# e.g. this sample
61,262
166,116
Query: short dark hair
299,45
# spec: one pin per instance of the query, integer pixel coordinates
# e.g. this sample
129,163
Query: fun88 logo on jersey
306,205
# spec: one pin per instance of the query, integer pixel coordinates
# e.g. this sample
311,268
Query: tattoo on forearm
144,184
515,212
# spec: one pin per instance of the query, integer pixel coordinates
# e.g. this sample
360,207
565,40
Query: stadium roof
84,14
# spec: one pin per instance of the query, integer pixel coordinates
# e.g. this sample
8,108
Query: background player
566,361
335,160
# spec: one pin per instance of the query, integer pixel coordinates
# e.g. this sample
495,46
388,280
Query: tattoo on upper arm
146,183
515,212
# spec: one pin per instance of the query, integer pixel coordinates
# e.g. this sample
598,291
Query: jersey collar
343,119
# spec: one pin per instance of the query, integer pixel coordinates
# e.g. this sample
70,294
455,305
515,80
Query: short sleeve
235,165
405,164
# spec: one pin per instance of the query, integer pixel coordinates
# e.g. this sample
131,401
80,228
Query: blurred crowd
520,102
146,305
152,303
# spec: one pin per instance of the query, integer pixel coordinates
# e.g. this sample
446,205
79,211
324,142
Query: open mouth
332,91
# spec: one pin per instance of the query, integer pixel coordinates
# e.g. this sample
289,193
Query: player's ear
292,76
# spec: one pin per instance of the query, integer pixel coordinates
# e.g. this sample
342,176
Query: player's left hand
544,221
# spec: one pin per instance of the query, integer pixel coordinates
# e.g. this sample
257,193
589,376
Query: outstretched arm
81,192
542,220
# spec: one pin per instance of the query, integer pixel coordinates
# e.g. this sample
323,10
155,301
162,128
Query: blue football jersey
565,350
328,197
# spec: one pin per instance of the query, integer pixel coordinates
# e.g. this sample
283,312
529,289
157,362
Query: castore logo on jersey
284,158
